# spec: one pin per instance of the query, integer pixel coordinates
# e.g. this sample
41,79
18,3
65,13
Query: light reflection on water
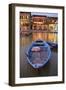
26,40
26,70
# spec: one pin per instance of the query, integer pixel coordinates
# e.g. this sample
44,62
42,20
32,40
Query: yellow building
38,22
25,22
53,29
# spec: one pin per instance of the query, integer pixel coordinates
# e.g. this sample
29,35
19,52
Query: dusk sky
46,14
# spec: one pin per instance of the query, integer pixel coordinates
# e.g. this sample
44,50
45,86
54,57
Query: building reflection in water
26,40
36,36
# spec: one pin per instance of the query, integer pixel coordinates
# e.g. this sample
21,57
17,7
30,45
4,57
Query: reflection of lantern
39,36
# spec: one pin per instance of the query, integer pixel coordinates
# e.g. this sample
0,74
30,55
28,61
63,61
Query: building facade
25,22
39,22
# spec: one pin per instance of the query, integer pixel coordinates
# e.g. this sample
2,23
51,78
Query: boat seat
35,49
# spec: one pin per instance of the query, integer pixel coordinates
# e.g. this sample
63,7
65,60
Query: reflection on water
26,70
26,40
52,37
36,36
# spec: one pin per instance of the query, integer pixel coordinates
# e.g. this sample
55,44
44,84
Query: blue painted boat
52,44
38,54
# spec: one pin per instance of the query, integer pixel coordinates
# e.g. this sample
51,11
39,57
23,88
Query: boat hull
38,54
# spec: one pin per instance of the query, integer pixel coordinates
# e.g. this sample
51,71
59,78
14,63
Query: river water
26,70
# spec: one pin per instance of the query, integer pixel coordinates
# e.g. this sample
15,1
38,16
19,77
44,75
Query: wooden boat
52,44
38,54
